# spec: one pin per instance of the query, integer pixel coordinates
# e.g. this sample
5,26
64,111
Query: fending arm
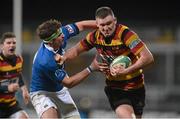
86,24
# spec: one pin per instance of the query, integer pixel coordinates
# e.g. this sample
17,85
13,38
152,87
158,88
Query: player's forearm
24,88
76,79
87,24
145,59
73,52
70,54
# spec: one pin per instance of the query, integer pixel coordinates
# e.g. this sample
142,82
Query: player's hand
13,87
25,94
117,70
98,66
59,59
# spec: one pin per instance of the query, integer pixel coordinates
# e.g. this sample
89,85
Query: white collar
50,48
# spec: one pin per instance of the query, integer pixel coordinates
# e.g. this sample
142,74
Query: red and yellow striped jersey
123,42
10,71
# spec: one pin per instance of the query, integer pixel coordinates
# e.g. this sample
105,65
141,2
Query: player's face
107,25
58,41
9,46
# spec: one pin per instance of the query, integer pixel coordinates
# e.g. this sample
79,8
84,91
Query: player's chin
107,35
11,53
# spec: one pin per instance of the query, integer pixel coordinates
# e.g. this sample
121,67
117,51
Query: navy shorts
135,98
6,112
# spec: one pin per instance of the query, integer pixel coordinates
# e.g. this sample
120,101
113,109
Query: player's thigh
42,103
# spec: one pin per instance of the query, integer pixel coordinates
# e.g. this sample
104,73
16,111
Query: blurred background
156,23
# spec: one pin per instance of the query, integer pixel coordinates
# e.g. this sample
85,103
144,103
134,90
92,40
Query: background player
11,79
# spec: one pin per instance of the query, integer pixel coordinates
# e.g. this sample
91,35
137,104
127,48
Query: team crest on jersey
69,28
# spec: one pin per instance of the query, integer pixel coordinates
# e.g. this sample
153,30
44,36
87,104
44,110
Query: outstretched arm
74,51
75,79
70,53
79,77
86,24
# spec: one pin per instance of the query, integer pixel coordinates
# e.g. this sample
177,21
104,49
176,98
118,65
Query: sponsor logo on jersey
69,28
134,43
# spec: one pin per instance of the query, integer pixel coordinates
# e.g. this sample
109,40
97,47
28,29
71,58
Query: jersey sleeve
3,89
69,30
21,82
54,72
132,41
56,75
60,74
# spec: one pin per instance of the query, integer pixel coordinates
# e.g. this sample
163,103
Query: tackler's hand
59,59
98,66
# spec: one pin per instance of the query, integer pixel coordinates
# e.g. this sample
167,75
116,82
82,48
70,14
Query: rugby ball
123,60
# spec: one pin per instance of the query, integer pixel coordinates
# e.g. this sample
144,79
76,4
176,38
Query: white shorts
61,100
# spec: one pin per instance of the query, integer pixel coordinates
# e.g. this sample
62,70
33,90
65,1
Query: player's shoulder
92,34
46,60
123,26
1,58
44,64
125,29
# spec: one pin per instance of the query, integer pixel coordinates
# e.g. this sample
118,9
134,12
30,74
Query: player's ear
52,41
97,24
115,20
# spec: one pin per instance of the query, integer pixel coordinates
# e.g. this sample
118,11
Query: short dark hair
103,12
47,28
7,35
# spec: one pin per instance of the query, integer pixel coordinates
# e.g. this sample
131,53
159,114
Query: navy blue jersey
46,73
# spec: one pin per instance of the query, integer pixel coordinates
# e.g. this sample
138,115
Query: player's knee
50,113
125,111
